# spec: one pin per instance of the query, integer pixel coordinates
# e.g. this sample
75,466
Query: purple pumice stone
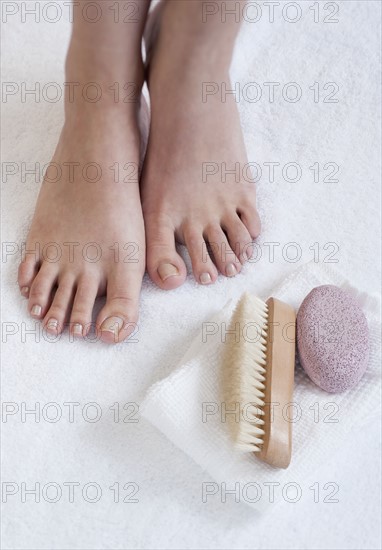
332,338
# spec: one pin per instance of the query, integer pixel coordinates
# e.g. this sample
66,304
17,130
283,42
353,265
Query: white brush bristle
244,367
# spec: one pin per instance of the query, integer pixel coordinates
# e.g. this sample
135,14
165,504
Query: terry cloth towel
186,406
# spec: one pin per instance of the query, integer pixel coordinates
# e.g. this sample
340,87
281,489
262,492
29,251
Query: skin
143,213
177,203
105,212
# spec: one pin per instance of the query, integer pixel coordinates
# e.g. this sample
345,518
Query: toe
118,318
238,237
203,267
58,312
81,317
164,265
250,218
28,269
224,257
40,293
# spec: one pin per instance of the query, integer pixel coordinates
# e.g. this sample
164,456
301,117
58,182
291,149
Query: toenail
36,310
167,270
231,270
77,329
52,324
113,325
25,290
205,278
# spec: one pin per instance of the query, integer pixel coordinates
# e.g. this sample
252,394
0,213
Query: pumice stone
332,338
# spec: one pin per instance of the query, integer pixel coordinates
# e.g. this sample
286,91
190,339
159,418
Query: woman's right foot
186,196
88,236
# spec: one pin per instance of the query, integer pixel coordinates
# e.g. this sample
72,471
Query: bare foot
185,194
92,218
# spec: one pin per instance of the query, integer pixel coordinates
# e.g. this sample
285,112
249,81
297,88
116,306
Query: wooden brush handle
281,344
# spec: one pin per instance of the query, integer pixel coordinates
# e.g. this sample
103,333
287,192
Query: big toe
118,318
28,269
164,265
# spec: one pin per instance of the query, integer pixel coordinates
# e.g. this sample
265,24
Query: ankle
97,79
87,62
184,24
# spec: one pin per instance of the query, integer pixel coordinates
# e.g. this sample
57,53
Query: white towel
185,406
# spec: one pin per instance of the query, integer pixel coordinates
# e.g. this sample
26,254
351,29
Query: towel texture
187,406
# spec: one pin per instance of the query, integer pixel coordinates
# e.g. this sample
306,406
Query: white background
170,512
